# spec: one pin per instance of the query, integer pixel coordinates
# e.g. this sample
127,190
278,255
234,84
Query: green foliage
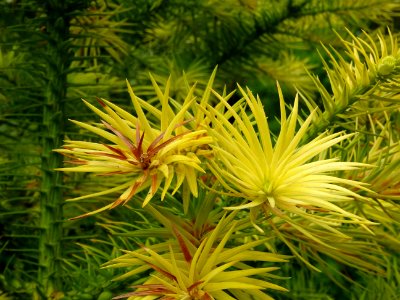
216,215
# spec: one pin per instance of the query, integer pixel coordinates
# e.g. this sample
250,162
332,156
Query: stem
327,119
57,62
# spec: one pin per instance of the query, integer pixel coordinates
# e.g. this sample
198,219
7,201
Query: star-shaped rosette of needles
145,154
282,176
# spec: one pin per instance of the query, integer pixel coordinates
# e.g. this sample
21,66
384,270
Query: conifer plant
226,202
